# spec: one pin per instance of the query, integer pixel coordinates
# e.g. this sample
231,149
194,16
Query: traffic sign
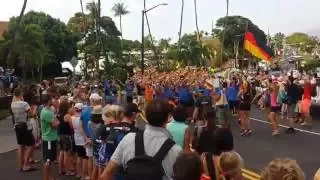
74,62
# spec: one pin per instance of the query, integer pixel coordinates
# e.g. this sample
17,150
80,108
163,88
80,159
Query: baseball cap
78,106
130,109
95,96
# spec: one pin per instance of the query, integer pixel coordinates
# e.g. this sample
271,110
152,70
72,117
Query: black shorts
129,99
24,135
49,150
275,109
233,104
81,151
65,143
189,103
244,106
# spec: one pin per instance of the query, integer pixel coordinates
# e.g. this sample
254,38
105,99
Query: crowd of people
163,125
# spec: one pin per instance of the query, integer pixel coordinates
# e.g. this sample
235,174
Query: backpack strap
163,151
210,166
139,144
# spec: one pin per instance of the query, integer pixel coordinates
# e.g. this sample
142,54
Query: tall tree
181,22
120,10
233,27
278,40
31,48
197,26
301,41
11,45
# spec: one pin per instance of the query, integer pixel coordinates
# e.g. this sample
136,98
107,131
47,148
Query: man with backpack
154,152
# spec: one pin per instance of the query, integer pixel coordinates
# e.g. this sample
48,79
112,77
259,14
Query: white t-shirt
78,137
20,111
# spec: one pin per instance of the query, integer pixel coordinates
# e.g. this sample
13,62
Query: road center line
301,130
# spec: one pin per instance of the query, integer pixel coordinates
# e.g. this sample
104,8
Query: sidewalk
7,136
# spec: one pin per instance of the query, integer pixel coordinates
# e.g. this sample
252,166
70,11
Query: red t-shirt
307,90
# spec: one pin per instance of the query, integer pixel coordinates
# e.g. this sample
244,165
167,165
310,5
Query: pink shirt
273,99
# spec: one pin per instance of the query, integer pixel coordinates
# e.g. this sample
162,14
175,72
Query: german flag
256,47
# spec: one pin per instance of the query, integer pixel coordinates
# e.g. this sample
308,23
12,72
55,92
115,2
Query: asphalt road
257,150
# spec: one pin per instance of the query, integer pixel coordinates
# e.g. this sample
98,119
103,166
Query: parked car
61,81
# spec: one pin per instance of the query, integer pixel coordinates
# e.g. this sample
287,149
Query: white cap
95,97
78,106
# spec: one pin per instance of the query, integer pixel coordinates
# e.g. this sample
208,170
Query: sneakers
246,132
275,133
290,130
305,124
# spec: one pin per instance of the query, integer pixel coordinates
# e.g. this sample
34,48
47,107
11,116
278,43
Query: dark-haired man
130,113
49,125
25,139
157,113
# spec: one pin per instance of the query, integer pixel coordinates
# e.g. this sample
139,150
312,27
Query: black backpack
144,167
115,133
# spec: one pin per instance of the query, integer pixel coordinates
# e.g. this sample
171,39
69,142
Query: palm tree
120,10
181,21
16,29
197,27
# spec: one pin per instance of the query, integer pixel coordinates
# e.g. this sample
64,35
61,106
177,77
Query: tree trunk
9,55
23,66
180,31
202,60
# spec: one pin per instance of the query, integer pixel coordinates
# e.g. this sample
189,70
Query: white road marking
297,129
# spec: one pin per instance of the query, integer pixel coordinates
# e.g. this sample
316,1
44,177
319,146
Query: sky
285,16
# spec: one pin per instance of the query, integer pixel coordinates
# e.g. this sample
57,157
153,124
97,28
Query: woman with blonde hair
231,164
284,169
274,108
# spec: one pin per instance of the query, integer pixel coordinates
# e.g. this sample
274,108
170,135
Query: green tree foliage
129,45
60,42
235,27
301,41
100,38
278,40
30,47
120,10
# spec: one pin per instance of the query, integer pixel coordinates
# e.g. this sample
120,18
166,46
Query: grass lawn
4,113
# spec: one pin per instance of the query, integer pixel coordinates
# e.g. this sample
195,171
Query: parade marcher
222,106
232,96
292,100
274,109
25,140
129,87
306,103
244,108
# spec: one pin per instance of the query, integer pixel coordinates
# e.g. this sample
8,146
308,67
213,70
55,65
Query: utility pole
224,33
144,11
142,43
